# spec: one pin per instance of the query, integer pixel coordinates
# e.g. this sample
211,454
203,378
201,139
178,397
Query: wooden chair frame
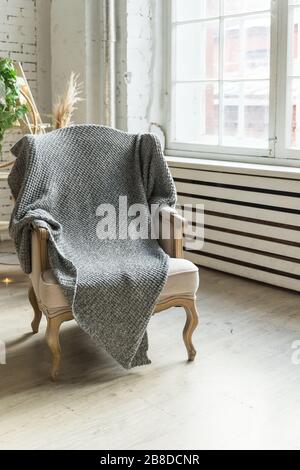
54,322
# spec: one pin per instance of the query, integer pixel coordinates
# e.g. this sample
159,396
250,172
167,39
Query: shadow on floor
28,363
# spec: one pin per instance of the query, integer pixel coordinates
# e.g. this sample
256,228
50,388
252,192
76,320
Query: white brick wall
18,35
25,36
18,40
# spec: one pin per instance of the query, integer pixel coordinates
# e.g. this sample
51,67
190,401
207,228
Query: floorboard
242,391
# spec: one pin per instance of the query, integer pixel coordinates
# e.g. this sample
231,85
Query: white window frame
283,58
277,153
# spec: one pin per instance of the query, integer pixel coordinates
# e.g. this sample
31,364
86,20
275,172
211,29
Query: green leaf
10,109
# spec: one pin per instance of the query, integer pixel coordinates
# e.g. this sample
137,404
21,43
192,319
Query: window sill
273,169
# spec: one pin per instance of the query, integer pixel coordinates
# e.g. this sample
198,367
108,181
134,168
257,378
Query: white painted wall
43,50
68,46
77,45
54,37
144,64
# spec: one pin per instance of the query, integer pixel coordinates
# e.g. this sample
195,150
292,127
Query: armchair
46,296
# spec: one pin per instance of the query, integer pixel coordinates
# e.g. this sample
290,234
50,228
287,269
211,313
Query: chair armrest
42,235
171,223
39,256
172,245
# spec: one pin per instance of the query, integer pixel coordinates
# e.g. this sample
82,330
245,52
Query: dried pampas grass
66,104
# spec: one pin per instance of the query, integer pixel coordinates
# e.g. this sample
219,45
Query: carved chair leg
190,326
52,338
37,312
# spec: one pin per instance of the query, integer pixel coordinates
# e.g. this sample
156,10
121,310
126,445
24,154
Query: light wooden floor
241,392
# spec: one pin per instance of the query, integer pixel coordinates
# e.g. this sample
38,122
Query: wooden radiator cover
252,220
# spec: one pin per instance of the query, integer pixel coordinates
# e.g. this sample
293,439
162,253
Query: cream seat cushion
182,281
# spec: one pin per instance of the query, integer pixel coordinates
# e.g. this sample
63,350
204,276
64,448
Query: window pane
245,6
196,9
295,26
247,47
246,114
293,81
232,49
240,71
197,51
256,113
196,113
294,113
231,113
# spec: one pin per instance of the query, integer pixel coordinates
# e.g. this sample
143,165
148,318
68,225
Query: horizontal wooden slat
270,200
3,175
254,258
243,211
251,273
258,182
249,243
3,226
235,167
254,229
251,220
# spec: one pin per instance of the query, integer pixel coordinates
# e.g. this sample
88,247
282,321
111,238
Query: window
293,77
234,80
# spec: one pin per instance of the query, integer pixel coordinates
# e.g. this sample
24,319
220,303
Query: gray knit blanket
58,181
